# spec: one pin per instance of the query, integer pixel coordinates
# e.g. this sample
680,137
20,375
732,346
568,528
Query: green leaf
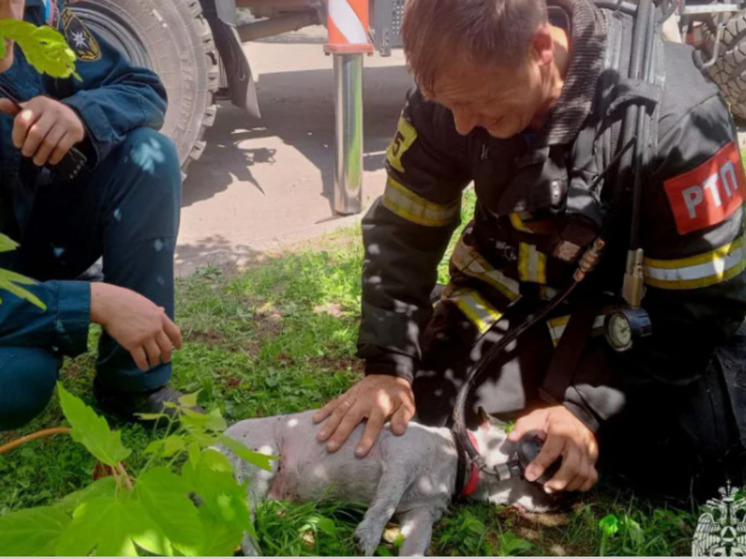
195,452
383,551
166,448
211,478
609,525
263,461
224,537
32,531
320,524
149,536
152,416
104,487
510,544
154,447
8,281
195,422
91,430
189,400
45,48
6,243
172,445
224,510
164,496
634,530
110,526
210,475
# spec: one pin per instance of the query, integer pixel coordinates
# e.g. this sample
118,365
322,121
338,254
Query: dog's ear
484,418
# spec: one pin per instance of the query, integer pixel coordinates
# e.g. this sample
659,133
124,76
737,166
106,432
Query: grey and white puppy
412,476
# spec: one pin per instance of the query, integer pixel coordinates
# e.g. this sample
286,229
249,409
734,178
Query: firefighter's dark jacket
530,187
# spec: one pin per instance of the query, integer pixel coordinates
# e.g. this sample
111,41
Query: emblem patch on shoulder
82,41
707,195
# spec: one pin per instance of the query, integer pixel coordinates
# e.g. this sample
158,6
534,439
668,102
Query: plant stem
39,434
125,475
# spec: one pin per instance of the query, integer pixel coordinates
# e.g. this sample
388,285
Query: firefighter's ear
542,45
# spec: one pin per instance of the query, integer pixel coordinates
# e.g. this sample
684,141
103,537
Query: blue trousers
126,210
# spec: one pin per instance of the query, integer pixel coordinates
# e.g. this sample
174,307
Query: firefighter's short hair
485,31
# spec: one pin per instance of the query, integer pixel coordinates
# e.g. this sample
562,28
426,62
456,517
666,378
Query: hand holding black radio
567,439
46,131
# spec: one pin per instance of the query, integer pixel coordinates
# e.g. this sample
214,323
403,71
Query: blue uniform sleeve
63,325
114,97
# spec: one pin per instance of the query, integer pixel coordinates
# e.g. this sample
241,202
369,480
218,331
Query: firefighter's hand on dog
568,438
376,399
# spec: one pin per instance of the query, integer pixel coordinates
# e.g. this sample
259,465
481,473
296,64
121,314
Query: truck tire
729,71
173,39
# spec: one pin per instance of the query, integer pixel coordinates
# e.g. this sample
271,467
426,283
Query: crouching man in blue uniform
124,207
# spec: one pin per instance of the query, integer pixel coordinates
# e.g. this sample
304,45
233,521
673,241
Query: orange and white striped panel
348,26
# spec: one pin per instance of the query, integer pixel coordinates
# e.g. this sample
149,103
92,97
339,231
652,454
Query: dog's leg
259,483
417,529
391,488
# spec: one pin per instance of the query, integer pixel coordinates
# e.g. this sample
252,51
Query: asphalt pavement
263,185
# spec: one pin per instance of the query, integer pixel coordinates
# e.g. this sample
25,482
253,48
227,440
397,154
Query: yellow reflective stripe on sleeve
467,260
405,136
476,308
517,222
698,271
558,325
408,205
532,264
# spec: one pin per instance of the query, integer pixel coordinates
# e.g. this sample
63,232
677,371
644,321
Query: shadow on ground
215,250
298,108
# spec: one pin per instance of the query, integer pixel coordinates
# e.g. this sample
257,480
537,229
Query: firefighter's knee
27,380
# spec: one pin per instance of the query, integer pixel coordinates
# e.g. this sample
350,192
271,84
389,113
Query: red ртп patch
708,194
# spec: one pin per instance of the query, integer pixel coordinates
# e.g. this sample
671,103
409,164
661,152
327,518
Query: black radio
72,165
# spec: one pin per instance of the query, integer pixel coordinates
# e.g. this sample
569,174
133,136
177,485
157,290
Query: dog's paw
367,539
536,500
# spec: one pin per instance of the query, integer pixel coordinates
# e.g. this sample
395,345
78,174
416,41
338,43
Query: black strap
567,354
461,468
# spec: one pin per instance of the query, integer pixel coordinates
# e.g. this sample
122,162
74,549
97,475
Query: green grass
280,338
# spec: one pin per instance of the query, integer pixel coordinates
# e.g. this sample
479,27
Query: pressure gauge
623,326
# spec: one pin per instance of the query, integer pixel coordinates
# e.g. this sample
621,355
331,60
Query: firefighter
124,206
526,100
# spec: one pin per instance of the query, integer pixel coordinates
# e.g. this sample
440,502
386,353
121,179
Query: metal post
348,41
348,160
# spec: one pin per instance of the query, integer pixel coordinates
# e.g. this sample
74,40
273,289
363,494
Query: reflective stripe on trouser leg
476,308
532,264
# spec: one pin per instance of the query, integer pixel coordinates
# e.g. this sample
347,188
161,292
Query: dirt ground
264,184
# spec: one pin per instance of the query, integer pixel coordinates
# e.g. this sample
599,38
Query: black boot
124,406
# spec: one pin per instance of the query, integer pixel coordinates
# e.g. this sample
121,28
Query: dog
412,476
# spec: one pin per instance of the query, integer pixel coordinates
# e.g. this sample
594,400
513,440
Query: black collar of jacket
588,47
